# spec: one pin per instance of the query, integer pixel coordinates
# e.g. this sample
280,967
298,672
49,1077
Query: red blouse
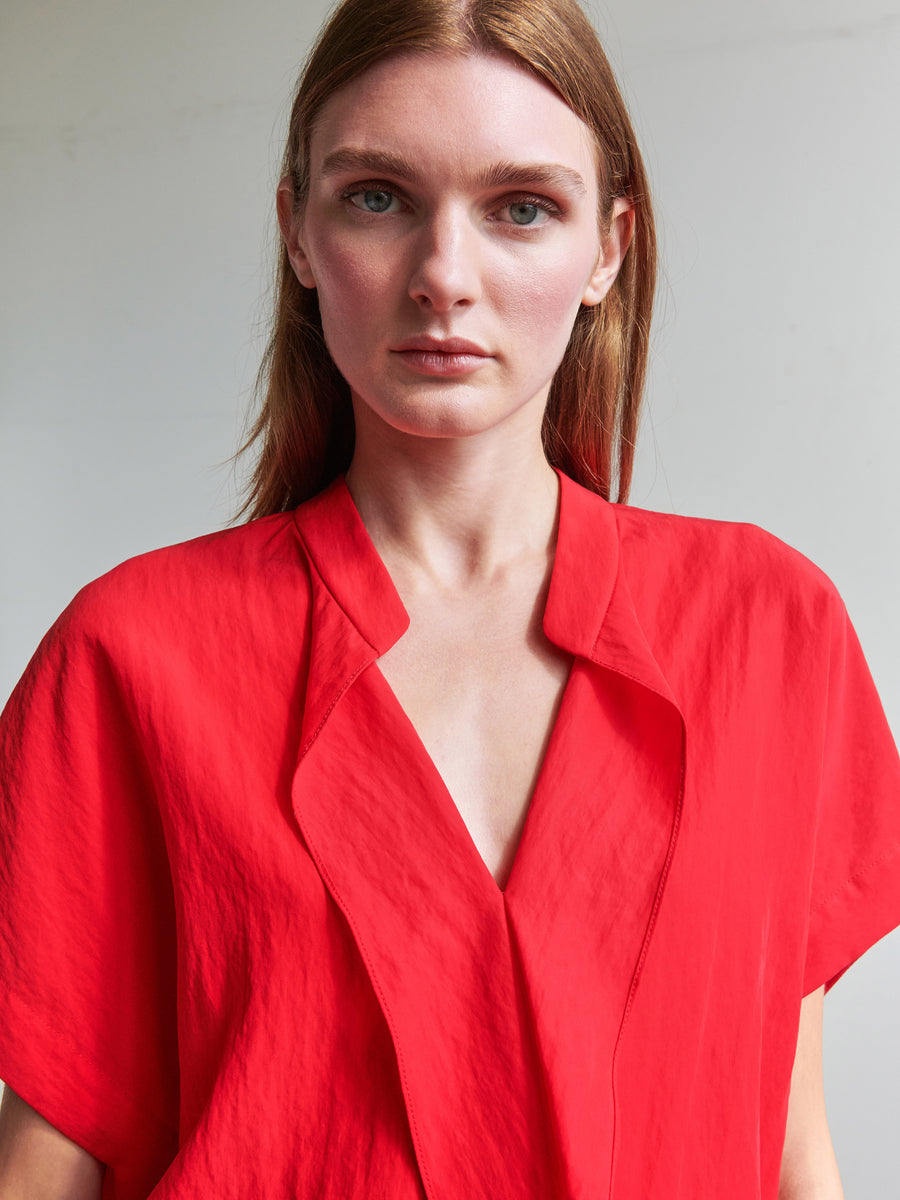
248,948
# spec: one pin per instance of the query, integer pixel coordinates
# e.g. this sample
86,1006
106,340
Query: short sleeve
87,946
855,897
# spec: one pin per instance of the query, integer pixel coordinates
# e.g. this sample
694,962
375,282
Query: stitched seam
376,983
676,826
330,708
870,866
135,1102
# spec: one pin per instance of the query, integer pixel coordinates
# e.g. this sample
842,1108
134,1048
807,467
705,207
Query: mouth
441,356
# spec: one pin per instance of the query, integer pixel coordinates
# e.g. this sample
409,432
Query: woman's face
451,230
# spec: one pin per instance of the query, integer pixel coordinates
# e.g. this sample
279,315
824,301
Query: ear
612,252
290,224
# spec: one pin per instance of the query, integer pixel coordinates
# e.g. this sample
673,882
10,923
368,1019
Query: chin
454,411
439,413
440,425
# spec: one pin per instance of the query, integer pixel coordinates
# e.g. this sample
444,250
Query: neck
454,512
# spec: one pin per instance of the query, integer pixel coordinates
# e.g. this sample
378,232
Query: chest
481,691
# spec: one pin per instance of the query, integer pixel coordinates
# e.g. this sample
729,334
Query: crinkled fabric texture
247,947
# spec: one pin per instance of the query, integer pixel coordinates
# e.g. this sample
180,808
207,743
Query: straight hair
304,429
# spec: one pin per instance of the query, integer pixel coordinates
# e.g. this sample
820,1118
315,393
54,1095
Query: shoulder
217,578
724,565
724,597
186,610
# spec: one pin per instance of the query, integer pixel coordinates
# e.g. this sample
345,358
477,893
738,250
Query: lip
441,356
441,346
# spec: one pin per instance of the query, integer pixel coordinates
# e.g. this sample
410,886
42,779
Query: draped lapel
505,1008
427,917
601,830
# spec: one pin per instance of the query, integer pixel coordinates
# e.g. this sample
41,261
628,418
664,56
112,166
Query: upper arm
808,1167
37,1161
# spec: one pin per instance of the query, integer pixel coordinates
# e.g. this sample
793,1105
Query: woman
424,843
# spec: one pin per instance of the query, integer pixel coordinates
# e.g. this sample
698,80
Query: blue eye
375,200
524,214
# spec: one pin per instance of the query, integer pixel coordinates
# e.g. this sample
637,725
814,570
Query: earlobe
289,223
612,252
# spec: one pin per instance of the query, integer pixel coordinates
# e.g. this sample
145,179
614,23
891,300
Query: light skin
809,1169
481,225
474,228
37,1162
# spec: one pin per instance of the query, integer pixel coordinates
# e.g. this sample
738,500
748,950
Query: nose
446,271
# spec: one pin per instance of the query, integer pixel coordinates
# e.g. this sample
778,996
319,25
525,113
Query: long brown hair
304,430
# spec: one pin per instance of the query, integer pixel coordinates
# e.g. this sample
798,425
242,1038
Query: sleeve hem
856,915
63,1083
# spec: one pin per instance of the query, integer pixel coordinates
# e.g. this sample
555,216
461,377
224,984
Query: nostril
445,282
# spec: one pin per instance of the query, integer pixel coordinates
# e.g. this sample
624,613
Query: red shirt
248,948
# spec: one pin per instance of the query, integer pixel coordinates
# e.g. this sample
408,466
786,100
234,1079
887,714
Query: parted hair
303,432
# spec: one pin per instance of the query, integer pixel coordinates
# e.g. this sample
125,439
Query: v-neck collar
588,612
358,581
505,1008
350,568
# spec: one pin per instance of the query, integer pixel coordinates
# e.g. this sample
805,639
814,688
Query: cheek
542,301
351,285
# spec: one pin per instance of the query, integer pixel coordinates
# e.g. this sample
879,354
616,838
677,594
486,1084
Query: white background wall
139,146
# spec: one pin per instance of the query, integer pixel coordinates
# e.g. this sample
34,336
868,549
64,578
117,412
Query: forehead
453,111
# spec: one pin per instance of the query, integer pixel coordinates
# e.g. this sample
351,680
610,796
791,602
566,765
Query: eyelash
540,202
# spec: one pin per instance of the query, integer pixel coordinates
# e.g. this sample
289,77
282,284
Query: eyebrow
501,174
